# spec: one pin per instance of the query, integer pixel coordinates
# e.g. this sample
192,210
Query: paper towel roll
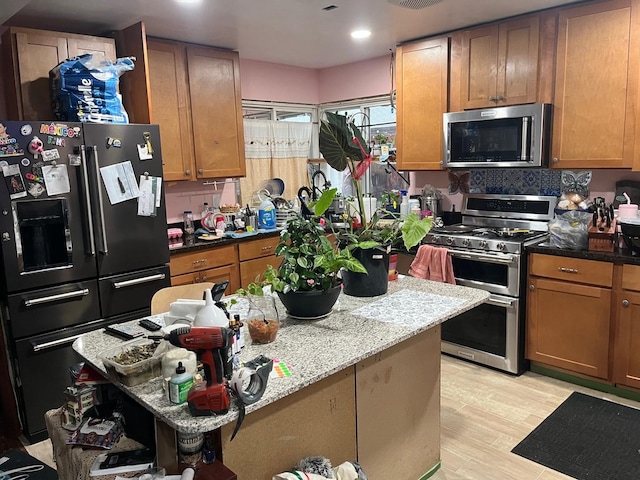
369,207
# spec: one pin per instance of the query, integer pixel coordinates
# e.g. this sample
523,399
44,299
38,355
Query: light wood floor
485,414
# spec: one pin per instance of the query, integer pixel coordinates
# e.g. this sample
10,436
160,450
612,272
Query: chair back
162,299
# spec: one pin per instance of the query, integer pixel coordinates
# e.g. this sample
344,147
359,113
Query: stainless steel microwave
517,136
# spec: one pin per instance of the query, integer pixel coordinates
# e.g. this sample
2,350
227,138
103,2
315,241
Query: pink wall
282,83
278,83
368,78
181,196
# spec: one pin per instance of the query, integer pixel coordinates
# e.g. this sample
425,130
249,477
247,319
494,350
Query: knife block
602,240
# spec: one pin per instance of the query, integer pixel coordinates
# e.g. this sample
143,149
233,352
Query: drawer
202,259
250,269
213,275
263,247
631,277
572,269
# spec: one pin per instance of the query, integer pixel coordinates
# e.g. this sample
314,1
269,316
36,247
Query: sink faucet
316,191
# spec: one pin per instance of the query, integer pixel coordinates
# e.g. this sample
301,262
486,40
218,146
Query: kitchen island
364,384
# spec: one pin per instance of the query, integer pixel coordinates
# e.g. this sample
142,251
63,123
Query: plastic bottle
180,384
267,215
404,204
205,210
187,219
210,315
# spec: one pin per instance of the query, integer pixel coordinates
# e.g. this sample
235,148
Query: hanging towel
433,263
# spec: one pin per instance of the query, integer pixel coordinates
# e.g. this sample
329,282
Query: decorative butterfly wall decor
459,182
576,182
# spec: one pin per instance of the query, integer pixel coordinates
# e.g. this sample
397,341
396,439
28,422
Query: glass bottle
187,219
262,319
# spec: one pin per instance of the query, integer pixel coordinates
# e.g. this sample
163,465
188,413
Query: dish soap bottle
210,315
180,384
267,215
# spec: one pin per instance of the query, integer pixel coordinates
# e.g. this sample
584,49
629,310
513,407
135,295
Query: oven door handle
52,298
38,347
481,256
500,303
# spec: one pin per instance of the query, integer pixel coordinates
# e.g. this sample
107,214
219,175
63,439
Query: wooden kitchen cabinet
254,257
29,55
196,100
627,345
422,98
568,313
215,264
596,84
500,64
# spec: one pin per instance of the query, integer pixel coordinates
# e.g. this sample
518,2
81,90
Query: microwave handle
525,144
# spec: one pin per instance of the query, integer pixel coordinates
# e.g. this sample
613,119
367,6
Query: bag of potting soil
85,89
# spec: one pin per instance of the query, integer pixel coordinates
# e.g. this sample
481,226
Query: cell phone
149,325
128,332
217,291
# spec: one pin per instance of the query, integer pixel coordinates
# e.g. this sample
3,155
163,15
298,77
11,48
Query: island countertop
356,329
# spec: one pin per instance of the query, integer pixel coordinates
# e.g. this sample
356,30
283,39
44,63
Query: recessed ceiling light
360,34
187,1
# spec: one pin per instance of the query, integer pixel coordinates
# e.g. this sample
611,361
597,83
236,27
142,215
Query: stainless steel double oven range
488,251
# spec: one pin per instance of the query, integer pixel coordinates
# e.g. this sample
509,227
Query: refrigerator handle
87,194
138,281
103,229
37,347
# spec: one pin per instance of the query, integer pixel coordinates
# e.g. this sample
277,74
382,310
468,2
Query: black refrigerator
84,244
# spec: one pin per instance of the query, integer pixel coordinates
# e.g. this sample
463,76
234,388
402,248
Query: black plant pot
310,304
373,283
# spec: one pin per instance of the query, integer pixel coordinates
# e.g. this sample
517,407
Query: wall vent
414,4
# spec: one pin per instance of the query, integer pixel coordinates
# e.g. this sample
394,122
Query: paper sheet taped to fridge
120,182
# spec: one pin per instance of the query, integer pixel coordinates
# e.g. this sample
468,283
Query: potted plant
308,279
369,239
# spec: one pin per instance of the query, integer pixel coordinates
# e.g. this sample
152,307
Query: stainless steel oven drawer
53,308
132,291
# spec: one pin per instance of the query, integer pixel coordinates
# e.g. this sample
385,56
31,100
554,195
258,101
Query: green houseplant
307,279
343,147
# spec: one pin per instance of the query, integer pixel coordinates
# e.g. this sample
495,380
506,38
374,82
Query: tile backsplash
516,181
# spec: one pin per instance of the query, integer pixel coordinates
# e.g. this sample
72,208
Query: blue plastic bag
85,89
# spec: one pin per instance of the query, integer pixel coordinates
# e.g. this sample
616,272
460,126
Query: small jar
187,220
262,319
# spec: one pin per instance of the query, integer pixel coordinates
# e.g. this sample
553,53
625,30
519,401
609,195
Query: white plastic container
267,215
176,355
627,210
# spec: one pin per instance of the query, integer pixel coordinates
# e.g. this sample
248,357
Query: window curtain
275,150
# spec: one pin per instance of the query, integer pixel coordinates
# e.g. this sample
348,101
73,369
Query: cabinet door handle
532,287
204,279
200,171
554,159
568,270
187,172
625,303
267,248
499,98
492,98
197,280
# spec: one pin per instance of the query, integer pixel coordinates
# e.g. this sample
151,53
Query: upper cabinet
499,64
596,83
422,97
194,95
29,55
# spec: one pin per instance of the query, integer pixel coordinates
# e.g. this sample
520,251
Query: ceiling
290,32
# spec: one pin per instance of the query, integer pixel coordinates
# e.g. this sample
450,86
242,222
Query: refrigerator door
45,231
125,241
48,309
42,365
132,291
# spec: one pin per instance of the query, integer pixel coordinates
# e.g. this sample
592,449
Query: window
377,121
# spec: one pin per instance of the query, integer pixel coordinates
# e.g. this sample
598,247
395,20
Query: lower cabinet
583,316
627,346
254,257
211,265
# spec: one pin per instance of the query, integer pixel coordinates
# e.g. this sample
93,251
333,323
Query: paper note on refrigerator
56,179
120,182
149,199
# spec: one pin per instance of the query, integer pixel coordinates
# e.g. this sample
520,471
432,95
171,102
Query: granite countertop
356,329
619,256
